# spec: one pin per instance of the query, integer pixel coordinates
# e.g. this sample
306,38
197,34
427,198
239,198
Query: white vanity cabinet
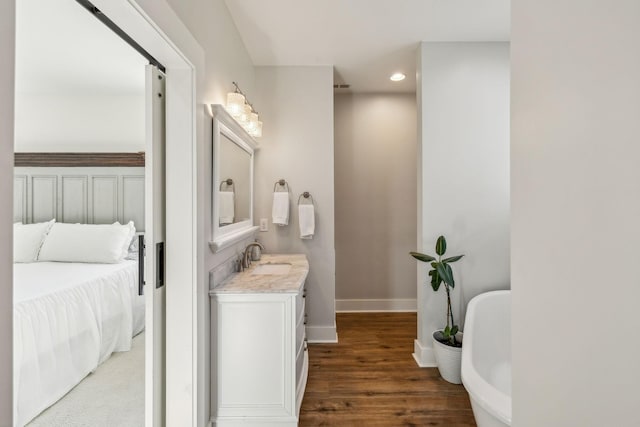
259,351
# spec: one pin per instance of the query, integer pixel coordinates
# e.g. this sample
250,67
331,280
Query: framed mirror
232,180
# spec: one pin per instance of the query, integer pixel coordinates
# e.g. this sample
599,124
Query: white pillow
132,237
133,247
27,240
104,243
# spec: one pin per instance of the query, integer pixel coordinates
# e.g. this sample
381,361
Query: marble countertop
246,282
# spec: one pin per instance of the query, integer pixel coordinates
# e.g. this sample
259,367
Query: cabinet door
256,357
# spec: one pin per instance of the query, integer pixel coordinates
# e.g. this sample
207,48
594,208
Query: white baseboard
366,305
322,334
424,356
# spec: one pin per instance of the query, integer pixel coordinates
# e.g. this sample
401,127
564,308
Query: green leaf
447,331
441,246
422,257
452,283
435,280
453,258
454,330
445,273
433,264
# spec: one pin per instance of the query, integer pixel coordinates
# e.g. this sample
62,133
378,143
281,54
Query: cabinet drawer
301,302
300,359
301,313
300,333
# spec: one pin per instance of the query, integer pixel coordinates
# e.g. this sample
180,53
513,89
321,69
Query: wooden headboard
88,188
79,159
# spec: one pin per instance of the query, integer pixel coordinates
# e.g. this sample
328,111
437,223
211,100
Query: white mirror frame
224,123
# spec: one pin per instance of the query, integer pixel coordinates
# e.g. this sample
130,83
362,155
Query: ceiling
365,40
62,48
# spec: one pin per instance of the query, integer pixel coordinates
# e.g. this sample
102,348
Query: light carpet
112,396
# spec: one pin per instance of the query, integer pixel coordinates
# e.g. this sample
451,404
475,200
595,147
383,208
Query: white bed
68,318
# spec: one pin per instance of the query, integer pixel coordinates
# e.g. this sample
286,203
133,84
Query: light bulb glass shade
235,103
243,118
257,130
253,122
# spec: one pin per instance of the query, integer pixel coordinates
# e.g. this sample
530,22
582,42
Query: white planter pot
449,359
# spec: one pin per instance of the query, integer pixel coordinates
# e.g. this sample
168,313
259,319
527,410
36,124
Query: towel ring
306,195
229,183
282,183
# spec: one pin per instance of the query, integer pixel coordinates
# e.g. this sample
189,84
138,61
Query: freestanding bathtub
486,358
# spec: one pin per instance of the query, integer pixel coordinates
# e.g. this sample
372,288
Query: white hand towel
306,218
227,210
280,209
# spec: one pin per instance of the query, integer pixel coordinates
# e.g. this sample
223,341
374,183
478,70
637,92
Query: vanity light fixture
257,132
253,122
244,116
242,110
397,77
235,103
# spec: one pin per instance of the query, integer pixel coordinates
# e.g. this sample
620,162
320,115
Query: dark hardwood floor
371,379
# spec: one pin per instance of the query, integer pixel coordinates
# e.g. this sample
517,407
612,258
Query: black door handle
140,264
159,265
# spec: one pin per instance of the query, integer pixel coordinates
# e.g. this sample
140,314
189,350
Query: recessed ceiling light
396,77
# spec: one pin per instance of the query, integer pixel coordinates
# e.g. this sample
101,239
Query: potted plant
447,342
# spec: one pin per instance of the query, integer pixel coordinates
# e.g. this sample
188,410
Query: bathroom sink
274,268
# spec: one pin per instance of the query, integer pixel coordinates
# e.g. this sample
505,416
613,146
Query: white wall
375,192
7,52
227,59
79,87
80,122
575,182
463,103
296,104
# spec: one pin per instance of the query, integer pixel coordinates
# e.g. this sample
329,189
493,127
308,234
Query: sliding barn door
154,289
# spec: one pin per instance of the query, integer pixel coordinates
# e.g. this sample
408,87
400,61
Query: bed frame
88,188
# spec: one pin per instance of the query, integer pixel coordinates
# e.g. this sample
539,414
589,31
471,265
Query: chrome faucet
246,257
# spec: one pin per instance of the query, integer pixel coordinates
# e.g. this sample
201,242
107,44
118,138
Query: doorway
182,55
375,154
88,111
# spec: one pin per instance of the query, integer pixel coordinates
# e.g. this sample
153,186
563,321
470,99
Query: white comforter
68,318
